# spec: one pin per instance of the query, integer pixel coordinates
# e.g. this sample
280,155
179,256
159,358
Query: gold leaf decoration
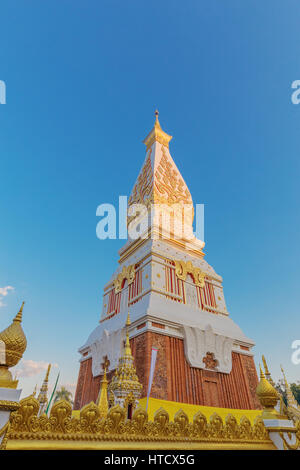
26,425
183,268
128,272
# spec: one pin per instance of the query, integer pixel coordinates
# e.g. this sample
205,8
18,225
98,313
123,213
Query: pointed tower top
291,400
267,395
127,349
262,375
102,400
48,372
268,375
18,317
157,134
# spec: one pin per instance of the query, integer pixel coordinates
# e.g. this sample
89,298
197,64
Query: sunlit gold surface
15,343
268,397
89,431
183,268
102,401
157,135
128,272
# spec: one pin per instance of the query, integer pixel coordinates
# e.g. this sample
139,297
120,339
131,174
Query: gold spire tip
128,320
18,317
262,375
48,372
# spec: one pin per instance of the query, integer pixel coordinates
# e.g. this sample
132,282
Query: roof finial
267,372
157,123
127,350
128,323
157,134
291,400
18,317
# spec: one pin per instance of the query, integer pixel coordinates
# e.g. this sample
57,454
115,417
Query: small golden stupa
125,384
268,397
13,344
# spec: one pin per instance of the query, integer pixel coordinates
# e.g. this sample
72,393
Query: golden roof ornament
268,397
125,379
157,135
291,400
102,400
267,373
43,398
13,342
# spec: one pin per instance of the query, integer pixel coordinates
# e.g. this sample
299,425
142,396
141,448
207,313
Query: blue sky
83,80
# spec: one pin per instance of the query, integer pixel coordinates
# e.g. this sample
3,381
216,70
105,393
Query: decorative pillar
13,344
102,401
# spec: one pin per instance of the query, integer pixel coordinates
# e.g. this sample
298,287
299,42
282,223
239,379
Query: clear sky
83,80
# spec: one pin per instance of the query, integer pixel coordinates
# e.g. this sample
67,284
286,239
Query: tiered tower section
175,298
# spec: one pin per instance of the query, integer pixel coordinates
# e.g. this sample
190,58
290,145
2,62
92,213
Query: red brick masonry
176,380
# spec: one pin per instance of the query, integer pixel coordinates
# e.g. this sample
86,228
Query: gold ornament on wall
183,268
128,272
90,426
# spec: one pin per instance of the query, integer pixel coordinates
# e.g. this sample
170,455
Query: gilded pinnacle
48,372
18,317
157,135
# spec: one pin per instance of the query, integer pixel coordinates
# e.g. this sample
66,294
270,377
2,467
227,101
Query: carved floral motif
25,424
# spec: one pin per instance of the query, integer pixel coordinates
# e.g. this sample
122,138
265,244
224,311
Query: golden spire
43,398
125,379
268,396
102,401
48,372
291,400
127,350
18,317
157,135
13,341
268,375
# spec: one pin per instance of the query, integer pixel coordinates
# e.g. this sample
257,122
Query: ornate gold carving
26,425
140,418
4,434
6,405
142,192
125,379
169,187
89,418
182,268
288,446
15,344
128,272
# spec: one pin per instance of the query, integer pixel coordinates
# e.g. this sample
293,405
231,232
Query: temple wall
176,380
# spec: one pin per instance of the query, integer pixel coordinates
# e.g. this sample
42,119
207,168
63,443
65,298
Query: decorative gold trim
128,272
4,434
138,432
183,268
6,405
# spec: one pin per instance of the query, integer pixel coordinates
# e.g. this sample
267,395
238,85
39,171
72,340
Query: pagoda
176,302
